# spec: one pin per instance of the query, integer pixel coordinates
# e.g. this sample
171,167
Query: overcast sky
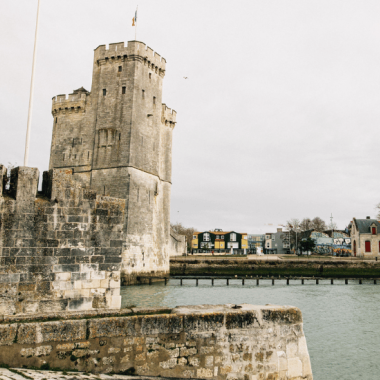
279,117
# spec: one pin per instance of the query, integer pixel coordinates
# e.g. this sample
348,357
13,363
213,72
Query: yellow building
219,241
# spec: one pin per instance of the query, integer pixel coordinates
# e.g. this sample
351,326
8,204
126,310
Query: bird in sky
185,77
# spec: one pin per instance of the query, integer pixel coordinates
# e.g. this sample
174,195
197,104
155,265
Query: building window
143,94
56,120
206,236
194,237
222,237
233,237
123,89
150,75
373,230
154,100
104,92
367,246
120,69
217,236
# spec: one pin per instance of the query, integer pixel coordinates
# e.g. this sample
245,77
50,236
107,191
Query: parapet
3,178
168,116
219,342
24,183
133,50
75,102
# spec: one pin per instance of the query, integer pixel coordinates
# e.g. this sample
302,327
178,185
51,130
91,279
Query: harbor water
341,322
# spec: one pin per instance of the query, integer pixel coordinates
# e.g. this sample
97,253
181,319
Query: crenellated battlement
75,102
168,116
3,178
63,246
134,50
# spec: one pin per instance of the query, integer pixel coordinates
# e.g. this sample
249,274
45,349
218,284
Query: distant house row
219,241
361,238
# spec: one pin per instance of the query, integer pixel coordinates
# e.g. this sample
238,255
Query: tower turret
117,139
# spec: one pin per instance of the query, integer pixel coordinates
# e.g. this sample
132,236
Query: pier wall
209,342
333,268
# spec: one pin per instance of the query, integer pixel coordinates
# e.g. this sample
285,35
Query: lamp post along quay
26,156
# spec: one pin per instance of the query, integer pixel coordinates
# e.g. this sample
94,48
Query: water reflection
340,321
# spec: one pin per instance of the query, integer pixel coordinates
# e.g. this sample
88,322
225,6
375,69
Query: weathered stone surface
7,334
103,217
220,342
62,331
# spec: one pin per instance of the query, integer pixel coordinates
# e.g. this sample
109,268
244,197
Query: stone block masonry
103,217
60,250
209,342
117,138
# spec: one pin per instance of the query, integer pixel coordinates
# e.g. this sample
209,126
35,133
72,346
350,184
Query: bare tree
294,229
378,211
294,224
306,224
332,226
318,224
179,229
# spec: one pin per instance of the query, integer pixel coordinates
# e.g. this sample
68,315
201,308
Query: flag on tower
134,19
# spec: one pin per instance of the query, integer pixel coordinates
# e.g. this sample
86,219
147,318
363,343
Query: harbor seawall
283,268
218,342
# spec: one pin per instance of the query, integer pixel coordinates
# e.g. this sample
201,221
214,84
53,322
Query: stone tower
117,139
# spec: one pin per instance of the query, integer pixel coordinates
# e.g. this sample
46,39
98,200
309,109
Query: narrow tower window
143,94
104,92
123,89
120,69
56,120
150,75
154,100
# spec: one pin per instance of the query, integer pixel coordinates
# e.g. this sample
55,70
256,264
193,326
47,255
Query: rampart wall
60,250
216,342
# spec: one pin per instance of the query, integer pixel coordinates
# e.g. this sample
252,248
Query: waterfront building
277,242
365,237
255,241
219,241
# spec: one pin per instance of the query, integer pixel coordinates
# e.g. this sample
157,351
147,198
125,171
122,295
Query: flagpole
136,23
26,156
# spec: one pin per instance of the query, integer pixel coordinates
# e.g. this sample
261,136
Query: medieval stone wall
118,141
177,244
60,250
217,342
65,248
